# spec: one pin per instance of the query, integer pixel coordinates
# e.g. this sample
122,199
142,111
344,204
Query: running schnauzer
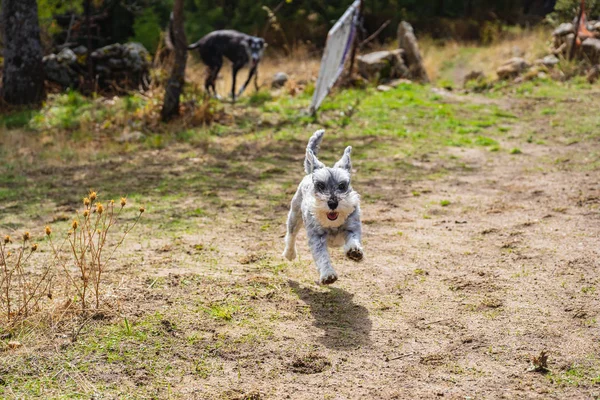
330,209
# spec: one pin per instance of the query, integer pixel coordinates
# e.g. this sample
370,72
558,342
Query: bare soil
466,279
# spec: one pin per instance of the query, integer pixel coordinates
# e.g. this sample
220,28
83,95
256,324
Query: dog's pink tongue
332,215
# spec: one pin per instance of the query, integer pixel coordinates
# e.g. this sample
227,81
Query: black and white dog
238,47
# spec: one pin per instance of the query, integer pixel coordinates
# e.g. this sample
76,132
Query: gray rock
407,41
474,76
66,56
80,50
512,68
563,29
382,65
279,80
548,61
133,136
59,72
136,57
384,88
591,48
593,74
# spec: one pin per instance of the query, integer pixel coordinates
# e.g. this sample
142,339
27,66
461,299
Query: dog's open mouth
332,215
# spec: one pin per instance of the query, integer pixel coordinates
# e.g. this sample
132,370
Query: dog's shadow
345,323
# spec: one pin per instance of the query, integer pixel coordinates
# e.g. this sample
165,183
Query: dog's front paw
328,278
355,253
289,253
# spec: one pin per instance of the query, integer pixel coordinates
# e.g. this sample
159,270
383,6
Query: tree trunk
177,79
23,76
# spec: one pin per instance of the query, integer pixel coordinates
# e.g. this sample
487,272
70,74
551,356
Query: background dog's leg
318,246
212,77
294,222
250,74
236,67
353,247
256,78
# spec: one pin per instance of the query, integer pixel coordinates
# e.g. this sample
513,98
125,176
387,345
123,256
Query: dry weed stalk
87,246
20,293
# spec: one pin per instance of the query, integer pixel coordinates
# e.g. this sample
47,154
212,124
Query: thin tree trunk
23,76
177,79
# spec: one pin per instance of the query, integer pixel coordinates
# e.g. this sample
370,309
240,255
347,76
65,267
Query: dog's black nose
332,204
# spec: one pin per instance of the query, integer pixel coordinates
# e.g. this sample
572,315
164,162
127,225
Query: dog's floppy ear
345,162
311,162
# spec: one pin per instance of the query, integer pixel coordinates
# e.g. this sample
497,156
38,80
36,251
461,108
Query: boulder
563,29
66,56
407,41
382,65
591,48
549,61
475,75
279,80
60,70
593,74
512,68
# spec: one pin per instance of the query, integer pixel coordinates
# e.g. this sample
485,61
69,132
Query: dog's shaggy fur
329,208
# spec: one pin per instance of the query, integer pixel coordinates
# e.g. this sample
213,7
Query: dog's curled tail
312,149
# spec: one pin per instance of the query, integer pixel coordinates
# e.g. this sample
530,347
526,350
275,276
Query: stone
475,75
66,56
384,88
279,80
407,41
512,68
60,72
13,344
563,29
593,74
382,65
80,50
591,48
132,136
549,61
397,82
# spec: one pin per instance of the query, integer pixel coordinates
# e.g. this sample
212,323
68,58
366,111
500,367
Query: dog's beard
346,206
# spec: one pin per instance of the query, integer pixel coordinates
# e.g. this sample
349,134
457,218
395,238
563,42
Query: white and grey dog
330,209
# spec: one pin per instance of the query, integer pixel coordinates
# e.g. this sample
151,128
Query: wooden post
574,43
355,44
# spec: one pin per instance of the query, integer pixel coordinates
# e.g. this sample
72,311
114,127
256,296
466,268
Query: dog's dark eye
320,186
343,186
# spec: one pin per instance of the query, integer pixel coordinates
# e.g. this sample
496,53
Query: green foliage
147,29
566,10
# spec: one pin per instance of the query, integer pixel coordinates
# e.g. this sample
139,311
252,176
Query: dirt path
466,278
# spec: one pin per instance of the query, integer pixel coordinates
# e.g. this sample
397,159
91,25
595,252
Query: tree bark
23,74
175,84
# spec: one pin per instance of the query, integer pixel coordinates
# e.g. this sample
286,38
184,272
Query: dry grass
302,67
452,60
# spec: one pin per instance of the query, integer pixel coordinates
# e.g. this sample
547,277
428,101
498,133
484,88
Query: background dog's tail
312,149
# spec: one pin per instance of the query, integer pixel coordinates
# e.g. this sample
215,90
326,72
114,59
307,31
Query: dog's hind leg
318,245
294,222
250,75
213,73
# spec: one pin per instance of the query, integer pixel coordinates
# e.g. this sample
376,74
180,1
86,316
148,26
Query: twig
375,34
399,357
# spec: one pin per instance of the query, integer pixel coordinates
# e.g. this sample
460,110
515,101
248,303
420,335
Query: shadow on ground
345,323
